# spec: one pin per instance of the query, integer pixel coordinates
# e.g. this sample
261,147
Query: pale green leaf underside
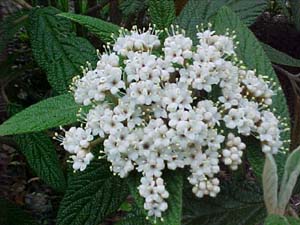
91,196
57,49
49,113
270,184
289,180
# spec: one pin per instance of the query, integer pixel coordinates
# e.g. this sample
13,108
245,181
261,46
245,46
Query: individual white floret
177,48
77,139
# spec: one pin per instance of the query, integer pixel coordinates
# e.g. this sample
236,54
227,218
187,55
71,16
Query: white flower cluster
164,106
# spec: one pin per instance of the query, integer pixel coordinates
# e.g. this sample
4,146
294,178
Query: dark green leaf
57,49
252,54
40,154
131,7
10,214
91,196
10,26
102,29
238,203
41,157
174,185
196,12
295,9
162,12
135,217
279,57
49,113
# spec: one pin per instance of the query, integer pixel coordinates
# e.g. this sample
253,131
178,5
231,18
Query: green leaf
289,180
253,56
10,25
293,221
238,203
132,7
279,57
295,10
276,220
11,214
174,185
162,12
49,113
135,217
102,29
196,12
270,184
42,158
40,155
91,196
57,49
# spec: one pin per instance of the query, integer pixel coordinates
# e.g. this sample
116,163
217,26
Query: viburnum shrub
163,105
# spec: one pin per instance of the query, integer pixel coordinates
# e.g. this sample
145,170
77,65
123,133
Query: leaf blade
52,112
56,48
162,13
270,184
204,10
100,28
279,57
91,196
41,157
289,180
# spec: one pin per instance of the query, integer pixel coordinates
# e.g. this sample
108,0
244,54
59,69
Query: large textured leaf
174,185
289,180
41,157
279,57
252,54
10,26
52,112
11,214
238,203
270,184
57,49
196,12
40,154
91,196
102,29
162,12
